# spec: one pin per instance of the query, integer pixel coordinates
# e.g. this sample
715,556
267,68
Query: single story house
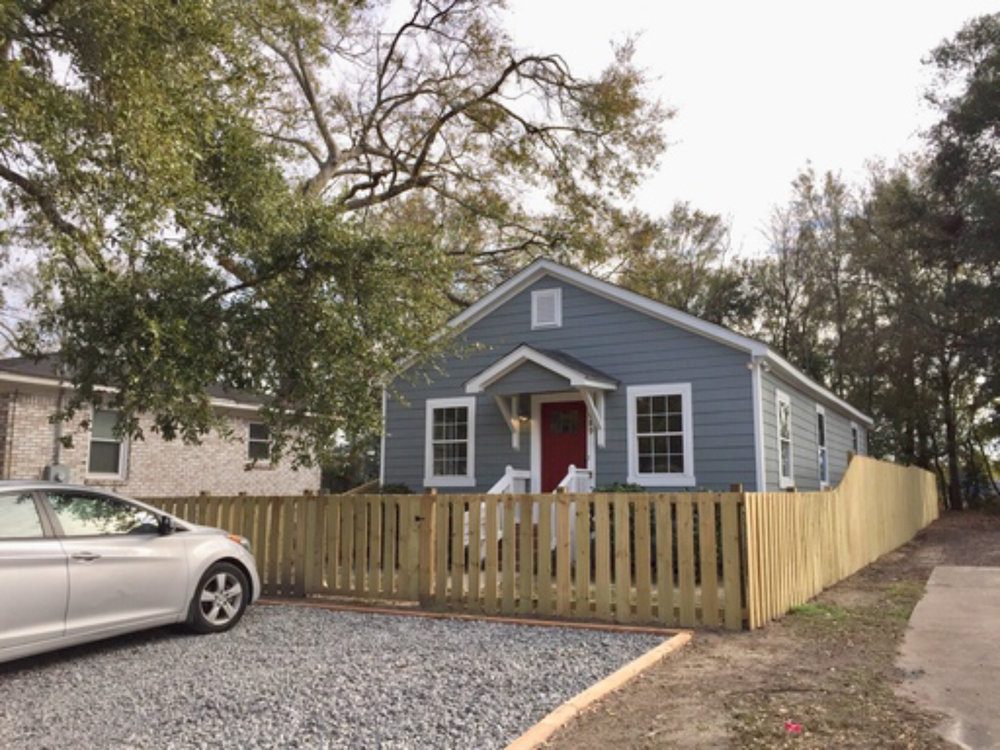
33,447
562,378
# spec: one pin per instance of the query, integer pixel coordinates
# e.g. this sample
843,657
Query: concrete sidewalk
951,653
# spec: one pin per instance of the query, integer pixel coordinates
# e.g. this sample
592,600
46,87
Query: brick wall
154,468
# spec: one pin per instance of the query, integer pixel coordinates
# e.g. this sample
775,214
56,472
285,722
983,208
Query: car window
88,515
19,517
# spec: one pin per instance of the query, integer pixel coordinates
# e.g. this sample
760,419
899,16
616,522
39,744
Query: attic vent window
546,308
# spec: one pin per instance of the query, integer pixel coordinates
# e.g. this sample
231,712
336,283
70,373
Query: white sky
761,87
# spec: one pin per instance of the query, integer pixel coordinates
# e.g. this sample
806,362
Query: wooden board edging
406,610
561,716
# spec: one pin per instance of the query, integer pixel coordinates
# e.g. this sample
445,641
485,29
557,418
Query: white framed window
258,442
660,435
855,439
783,414
546,308
822,454
450,444
108,450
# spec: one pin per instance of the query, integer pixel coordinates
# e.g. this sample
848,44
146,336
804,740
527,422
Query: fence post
427,534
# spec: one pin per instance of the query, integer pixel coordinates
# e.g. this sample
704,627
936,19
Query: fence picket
581,557
475,552
545,537
508,559
457,550
708,562
664,561
733,617
623,563
331,548
562,556
685,560
643,565
360,543
525,561
491,570
602,551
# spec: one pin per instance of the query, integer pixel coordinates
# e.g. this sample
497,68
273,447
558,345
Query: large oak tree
287,197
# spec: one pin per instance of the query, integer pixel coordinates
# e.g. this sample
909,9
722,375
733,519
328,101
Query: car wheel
220,599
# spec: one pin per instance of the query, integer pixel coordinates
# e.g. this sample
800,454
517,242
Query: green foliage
621,487
888,294
829,612
394,489
682,261
258,196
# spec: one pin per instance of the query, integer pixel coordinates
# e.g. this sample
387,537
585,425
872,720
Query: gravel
295,677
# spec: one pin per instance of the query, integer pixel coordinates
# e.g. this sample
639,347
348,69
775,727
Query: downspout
9,447
756,363
385,417
57,428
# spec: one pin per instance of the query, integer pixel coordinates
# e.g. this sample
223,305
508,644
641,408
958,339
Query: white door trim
536,436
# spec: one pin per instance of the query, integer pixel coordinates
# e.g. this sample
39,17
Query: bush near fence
730,559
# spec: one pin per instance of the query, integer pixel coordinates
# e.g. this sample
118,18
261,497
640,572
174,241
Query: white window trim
123,451
535,295
784,481
855,438
259,461
687,479
823,451
469,478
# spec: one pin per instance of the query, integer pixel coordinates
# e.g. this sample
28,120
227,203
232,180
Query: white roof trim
524,353
18,379
783,367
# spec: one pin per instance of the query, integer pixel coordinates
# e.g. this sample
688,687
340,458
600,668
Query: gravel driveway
299,677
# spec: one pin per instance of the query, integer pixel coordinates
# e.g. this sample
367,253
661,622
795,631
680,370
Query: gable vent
546,308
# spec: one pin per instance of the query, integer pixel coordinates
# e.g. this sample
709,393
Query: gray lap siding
628,345
804,436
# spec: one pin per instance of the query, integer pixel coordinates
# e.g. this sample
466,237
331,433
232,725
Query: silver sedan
78,565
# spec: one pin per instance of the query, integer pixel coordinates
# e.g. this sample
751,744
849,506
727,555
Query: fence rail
726,559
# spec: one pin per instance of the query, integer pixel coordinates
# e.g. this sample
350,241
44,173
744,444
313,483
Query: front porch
560,402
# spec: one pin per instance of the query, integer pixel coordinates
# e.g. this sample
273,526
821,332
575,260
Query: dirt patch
828,667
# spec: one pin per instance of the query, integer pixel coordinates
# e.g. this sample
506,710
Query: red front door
564,440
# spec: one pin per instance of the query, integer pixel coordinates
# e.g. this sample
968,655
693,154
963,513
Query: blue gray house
564,379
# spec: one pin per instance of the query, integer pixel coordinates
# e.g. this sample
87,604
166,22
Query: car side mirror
167,525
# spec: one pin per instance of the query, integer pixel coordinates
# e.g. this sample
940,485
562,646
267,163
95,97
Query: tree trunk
954,493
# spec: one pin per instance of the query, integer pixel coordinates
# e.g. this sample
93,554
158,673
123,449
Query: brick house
30,393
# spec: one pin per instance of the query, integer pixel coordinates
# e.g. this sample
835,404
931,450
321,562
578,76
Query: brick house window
259,442
106,456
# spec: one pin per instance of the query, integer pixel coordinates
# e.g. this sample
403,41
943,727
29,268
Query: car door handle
85,556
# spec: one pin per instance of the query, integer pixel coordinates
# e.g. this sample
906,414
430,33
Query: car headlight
241,540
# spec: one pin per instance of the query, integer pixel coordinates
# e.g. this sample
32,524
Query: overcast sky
760,88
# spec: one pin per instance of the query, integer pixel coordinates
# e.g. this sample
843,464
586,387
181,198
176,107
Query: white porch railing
513,480
576,480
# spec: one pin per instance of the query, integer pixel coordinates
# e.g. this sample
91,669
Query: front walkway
951,653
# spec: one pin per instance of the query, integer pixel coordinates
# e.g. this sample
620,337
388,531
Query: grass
819,610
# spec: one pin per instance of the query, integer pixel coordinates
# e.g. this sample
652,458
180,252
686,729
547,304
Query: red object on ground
793,728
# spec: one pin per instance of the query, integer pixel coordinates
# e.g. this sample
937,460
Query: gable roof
45,370
756,349
579,374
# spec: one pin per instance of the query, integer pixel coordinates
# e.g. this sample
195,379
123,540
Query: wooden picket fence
360,546
726,559
800,543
